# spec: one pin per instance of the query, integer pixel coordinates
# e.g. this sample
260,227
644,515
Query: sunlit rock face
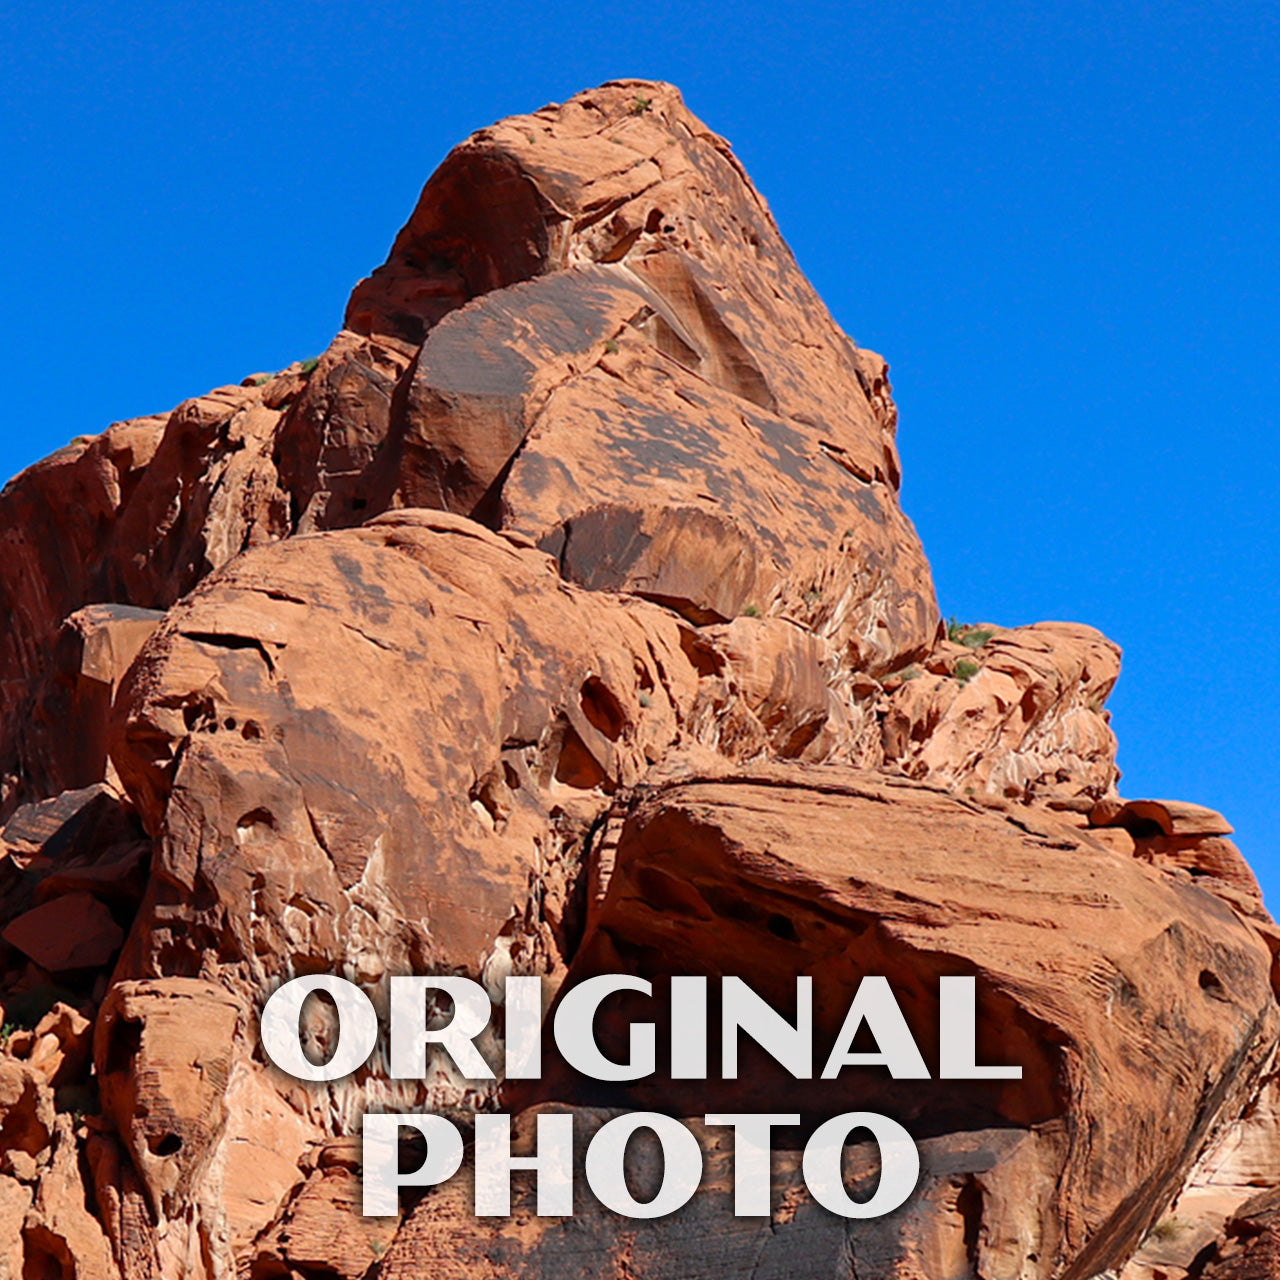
562,619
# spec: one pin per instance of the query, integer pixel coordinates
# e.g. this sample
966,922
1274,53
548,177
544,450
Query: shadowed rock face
560,619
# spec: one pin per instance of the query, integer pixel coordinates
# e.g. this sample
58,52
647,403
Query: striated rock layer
562,618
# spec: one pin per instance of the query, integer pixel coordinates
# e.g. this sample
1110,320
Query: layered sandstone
563,618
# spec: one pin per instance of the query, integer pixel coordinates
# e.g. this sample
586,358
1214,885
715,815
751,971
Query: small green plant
640,105
967,634
1167,1229
262,379
910,673
611,346
965,671
309,366
813,595
645,699
7,1030
751,611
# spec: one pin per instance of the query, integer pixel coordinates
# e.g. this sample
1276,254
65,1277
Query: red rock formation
562,618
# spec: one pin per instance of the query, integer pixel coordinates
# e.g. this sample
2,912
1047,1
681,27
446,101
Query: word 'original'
873,1012
573,1026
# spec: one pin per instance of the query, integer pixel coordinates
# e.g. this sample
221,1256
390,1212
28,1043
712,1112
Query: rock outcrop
562,618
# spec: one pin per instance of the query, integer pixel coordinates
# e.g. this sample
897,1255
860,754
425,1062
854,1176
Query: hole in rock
318,1027
969,1206
255,822
198,715
782,927
164,1144
1209,981
602,709
1143,828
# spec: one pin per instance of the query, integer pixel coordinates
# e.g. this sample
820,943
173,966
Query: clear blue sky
1058,222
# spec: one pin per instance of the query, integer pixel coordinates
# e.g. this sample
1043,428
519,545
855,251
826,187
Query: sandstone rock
1174,834
634,663
59,827
15,1201
62,1238
664,412
405,840
72,932
26,1109
1251,1248
56,522
19,1164
1243,1156
259,1158
210,492
1029,724
122,1209
442,1236
323,1233
332,439
1147,818
782,675
63,1044
83,841
91,652
1077,952
163,1051
937,1234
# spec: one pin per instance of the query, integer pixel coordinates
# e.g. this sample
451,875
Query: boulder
163,1050
61,1237
63,1045
26,1109
72,932
91,652
295,827
1138,1007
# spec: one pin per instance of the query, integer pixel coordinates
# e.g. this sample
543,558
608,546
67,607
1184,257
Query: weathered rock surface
562,618
620,359
830,872
1251,1248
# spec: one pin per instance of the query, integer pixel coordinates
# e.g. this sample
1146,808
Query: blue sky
1057,221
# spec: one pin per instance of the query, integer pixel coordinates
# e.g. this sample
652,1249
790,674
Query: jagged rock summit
562,618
